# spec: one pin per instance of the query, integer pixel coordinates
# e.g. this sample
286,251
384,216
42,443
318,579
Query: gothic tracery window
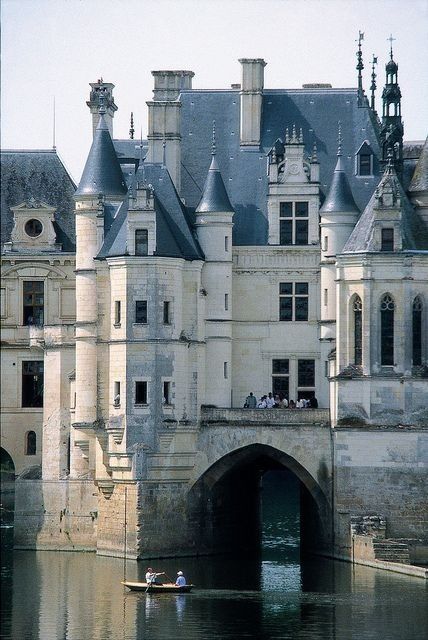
387,309
358,330
417,331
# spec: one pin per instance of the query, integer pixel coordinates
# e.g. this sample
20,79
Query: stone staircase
390,550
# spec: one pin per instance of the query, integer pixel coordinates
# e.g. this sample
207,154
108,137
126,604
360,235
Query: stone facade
160,323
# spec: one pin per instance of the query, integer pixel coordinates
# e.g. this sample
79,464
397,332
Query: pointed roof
388,195
214,196
102,173
339,198
419,180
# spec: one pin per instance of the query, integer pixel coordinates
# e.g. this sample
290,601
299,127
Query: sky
52,49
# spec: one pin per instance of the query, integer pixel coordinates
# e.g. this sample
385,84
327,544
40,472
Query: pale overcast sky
56,47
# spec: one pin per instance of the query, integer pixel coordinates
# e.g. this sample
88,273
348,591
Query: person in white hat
181,580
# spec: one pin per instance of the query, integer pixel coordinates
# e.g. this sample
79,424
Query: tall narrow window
32,383
325,297
141,392
226,301
141,242
117,312
306,379
166,398
417,331
116,397
281,378
225,371
293,223
34,302
167,312
365,164
387,239
30,443
358,330
141,311
226,243
387,308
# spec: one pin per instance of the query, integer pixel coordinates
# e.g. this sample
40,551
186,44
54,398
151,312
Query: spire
214,196
102,173
373,85
391,133
131,128
360,67
339,198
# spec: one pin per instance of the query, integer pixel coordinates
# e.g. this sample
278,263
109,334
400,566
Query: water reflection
68,596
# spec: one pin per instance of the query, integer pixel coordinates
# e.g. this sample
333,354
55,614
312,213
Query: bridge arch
225,500
7,483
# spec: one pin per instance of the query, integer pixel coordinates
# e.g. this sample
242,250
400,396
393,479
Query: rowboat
167,587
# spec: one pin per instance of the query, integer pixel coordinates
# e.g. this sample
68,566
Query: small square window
280,366
302,209
286,209
286,288
302,288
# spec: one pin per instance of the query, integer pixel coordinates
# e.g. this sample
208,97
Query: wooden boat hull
169,587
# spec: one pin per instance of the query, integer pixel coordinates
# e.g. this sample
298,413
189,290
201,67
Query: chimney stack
251,100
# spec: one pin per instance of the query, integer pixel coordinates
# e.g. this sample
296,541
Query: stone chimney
251,100
164,127
93,104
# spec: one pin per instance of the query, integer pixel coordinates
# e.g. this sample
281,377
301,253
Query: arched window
387,308
358,330
417,331
30,443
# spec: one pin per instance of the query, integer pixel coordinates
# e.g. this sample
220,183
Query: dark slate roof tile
244,169
420,177
339,197
214,196
102,173
38,174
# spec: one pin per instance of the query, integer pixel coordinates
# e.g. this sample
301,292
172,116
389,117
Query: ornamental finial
391,40
101,104
131,128
339,138
213,145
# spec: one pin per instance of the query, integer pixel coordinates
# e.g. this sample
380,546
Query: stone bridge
214,473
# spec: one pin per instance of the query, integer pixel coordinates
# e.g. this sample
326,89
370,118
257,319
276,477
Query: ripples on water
72,596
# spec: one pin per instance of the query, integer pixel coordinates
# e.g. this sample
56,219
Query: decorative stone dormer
141,231
33,230
293,198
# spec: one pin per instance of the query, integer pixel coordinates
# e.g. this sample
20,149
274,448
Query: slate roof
414,232
39,174
102,173
214,196
244,169
419,180
339,197
174,237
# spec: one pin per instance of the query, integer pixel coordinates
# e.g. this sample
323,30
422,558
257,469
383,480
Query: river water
77,596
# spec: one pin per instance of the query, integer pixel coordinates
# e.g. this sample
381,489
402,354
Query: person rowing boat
151,576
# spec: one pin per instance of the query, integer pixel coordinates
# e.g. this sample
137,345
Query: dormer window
364,160
387,239
141,242
33,228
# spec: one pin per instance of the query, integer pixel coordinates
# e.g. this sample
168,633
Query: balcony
268,417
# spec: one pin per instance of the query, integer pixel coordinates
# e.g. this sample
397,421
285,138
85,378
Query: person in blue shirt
181,580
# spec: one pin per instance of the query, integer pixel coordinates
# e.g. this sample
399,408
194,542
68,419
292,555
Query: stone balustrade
274,417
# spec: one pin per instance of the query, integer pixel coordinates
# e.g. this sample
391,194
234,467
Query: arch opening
7,487
227,505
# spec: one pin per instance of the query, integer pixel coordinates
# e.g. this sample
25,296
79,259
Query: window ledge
117,326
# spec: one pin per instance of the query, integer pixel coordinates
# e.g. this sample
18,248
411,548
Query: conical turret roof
102,173
214,196
339,198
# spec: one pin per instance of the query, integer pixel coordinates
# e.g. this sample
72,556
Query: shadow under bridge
225,503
